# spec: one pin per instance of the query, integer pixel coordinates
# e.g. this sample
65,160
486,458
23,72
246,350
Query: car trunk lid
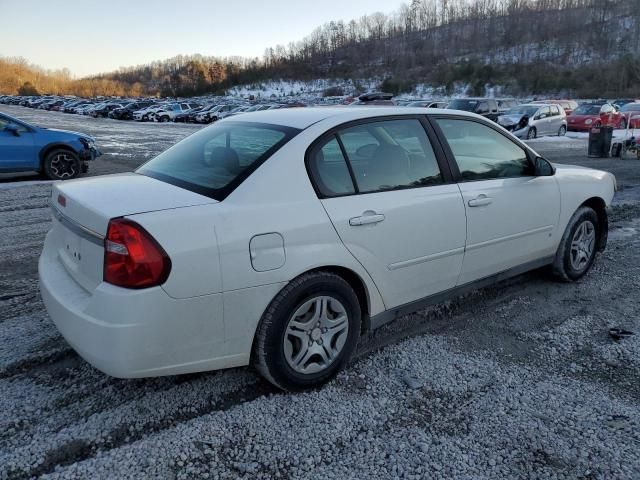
82,210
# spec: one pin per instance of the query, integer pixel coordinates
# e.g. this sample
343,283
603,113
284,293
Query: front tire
61,165
532,133
308,333
623,124
578,246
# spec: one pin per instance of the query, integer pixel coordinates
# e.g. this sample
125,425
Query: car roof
305,117
537,105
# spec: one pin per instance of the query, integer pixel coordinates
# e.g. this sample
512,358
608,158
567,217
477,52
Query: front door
511,214
17,152
385,192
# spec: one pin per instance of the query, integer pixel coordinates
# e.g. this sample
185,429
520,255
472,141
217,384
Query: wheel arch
356,282
600,207
47,149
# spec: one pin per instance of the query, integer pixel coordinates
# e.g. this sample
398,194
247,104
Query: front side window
482,153
215,160
389,155
543,113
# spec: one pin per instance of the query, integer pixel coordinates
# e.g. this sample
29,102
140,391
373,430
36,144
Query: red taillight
132,257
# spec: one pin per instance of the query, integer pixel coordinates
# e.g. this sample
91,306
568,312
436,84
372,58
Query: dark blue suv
58,154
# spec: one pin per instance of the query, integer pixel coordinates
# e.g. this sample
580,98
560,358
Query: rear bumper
135,333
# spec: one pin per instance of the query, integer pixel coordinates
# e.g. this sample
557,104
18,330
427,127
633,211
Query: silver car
534,120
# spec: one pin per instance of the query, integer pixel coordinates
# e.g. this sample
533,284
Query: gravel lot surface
520,380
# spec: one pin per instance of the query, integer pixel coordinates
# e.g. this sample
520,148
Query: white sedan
277,238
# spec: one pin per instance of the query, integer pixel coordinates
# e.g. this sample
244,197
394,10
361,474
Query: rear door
511,214
391,200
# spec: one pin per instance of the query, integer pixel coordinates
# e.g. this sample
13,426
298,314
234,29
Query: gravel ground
520,380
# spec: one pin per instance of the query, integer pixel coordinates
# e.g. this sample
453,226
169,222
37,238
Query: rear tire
562,132
578,246
308,333
61,165
623,124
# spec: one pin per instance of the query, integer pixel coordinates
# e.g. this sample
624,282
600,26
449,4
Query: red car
590,115
631,112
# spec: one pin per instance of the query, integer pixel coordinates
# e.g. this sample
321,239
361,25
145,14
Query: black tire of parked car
532,133
623,123
61,164
268,355
562,131
163,119
563,267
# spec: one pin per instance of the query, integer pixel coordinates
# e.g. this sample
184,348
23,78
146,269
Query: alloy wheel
63,165
582,245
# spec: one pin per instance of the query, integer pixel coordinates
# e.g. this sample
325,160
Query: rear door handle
369,217
480,201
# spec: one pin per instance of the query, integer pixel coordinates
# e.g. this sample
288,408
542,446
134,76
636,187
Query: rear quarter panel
188,235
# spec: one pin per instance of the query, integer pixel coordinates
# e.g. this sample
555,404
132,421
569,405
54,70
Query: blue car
58,154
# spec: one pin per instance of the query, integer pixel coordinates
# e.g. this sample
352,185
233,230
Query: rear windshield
215,160
631,107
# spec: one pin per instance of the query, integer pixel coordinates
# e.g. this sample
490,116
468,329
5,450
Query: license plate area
72,246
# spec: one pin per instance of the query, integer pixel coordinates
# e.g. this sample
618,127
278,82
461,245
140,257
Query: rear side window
481,153
215,160
382,156
329,169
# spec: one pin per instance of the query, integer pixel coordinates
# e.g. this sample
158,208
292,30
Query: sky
93,36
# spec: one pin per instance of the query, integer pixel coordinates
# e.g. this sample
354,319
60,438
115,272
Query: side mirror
13,129
543,168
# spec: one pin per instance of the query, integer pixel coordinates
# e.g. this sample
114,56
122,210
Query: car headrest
227,158
390,159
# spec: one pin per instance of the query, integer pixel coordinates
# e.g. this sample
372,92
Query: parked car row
145,110
525,120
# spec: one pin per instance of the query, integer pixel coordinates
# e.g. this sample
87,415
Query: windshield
588,110
215,160
523,110
462,104
631,107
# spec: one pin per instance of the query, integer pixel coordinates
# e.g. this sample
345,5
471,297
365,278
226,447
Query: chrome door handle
369,217
480,201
